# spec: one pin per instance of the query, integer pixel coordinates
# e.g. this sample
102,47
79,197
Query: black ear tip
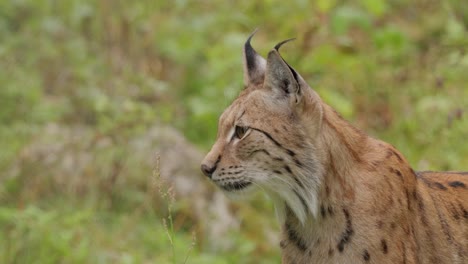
247,43
278,46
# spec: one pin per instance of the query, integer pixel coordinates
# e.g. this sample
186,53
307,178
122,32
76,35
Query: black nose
207,170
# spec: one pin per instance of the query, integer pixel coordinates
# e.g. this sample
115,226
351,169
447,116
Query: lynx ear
254,64
282,78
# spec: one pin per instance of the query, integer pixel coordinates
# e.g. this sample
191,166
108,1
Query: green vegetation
116,68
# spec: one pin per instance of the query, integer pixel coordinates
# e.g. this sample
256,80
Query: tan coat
342,196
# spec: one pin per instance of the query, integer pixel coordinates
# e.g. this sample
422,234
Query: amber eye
240,131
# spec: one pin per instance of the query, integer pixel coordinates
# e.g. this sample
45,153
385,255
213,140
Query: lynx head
266,137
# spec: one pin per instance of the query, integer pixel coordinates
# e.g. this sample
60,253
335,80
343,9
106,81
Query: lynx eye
240,131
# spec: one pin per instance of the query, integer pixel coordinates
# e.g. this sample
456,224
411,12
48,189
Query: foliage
395,69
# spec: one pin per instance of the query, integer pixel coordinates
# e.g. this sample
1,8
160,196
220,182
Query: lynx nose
207,170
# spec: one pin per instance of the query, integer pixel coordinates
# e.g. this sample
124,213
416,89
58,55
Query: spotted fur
342,196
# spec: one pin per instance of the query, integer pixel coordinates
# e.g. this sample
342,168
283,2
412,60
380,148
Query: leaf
346,17
375,7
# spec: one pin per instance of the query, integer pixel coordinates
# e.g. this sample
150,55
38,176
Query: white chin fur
282,197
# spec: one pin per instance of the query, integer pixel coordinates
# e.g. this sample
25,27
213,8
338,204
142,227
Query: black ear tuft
281,78
250,53
254,64
278,46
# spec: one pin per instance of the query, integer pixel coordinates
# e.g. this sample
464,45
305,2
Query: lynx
341,196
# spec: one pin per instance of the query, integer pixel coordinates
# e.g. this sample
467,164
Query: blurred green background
79,80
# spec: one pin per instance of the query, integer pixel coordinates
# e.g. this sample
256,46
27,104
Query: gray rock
76,161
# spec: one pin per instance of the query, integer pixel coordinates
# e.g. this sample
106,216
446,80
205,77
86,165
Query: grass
113,69
56,234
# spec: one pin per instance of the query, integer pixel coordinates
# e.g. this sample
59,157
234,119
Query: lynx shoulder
343,196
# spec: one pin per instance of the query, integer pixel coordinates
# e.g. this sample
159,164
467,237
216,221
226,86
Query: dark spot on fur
330,252
282,244
389,154
383,243
426,181
433,185
422,210
347,233
298,181
397,155
298,163
269,137
420,202
278,159
287,169
392,225
408,201
277,171
366,255
322,211
454,212
440,186
457,184
260,150
398,173
294,237
290,152
330,211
